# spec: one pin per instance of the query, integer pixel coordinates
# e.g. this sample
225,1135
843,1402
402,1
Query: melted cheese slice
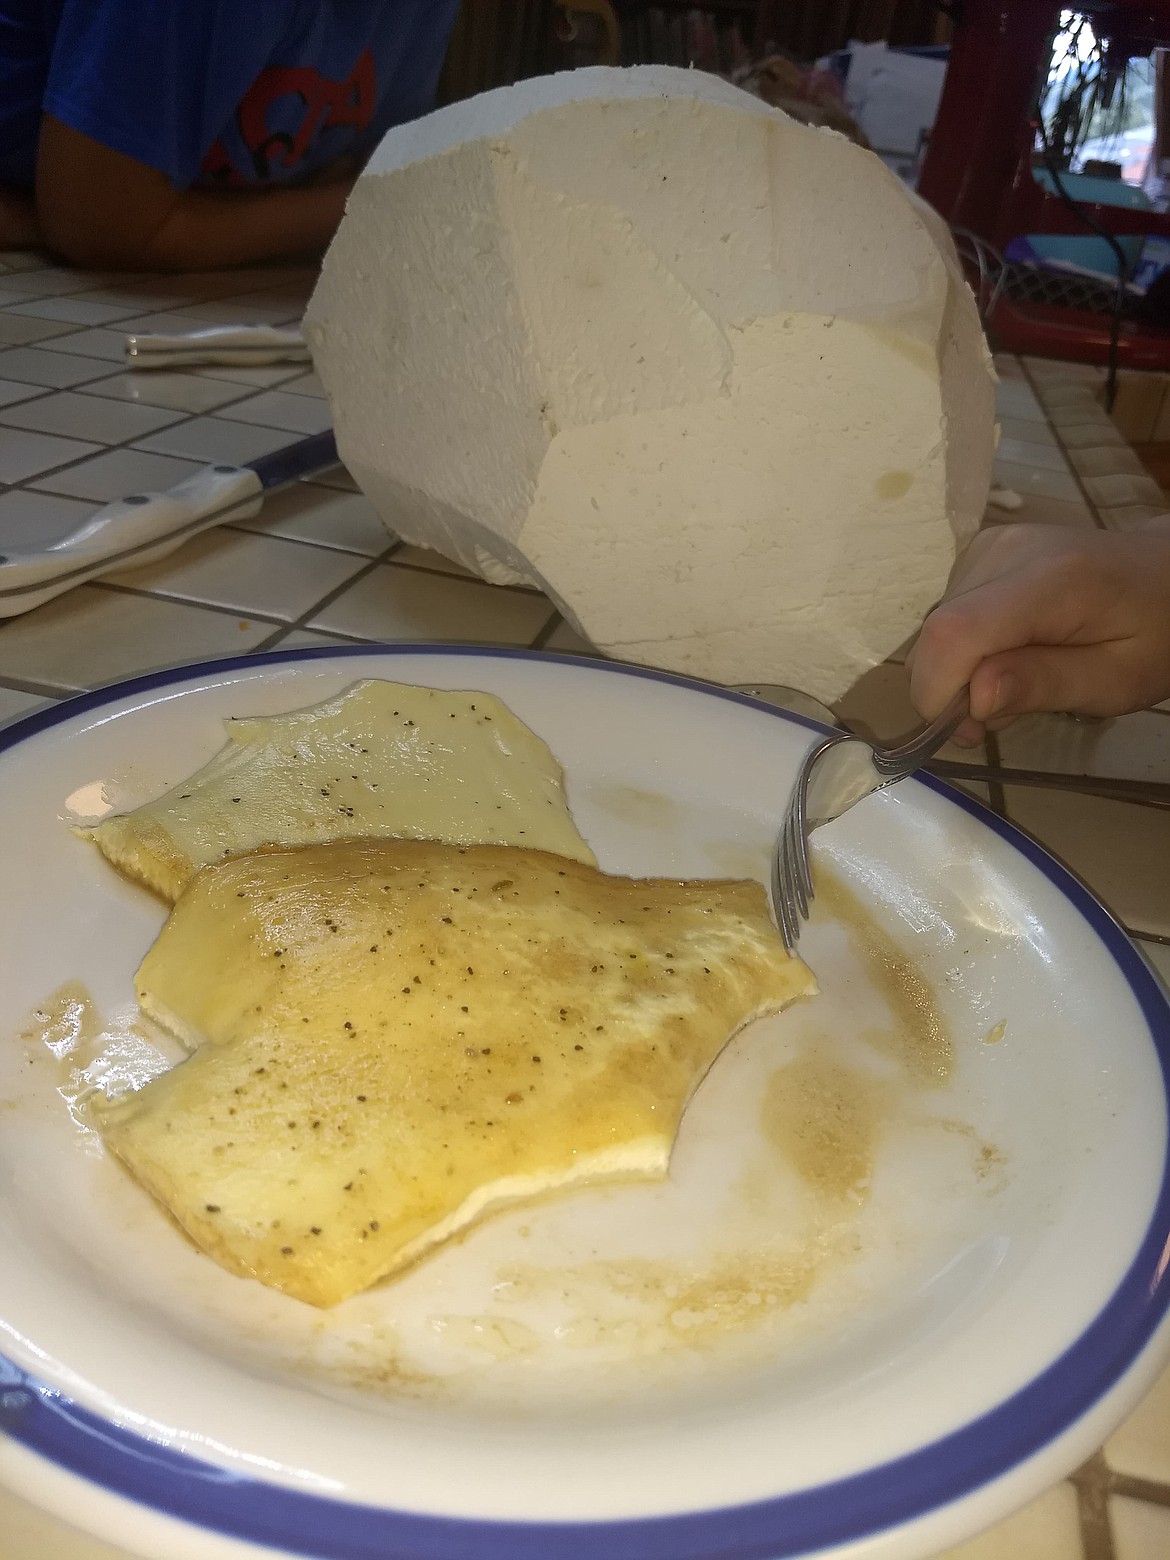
383,759
395,1038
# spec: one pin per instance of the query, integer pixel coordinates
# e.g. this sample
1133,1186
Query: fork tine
793,873
800,826
782,908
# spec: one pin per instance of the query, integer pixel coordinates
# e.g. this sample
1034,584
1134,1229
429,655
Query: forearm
206,229
98,208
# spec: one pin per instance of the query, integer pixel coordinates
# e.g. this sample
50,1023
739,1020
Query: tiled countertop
317,567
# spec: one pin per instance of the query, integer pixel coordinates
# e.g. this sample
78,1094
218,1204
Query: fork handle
898,761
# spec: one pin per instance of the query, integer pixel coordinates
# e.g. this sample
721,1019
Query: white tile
1048,1529
73,311
258,378
1017,400
1124,488
1047,456
335,477
307,513
202,285
53,280
213,439
568,641
1132,747
17,330
110,345
1141,1448
305,384
246,573
250,309
172,388
1061,371
11,391
1099,433
87,417
1074,408
14,704
1065,394
91,636
1037,479
1044,511
406,604
117,473
411,557
1140,1531
35,520
276,409
1119,849
143,297
52,370
24,455
27,1533
293,292
1106,460
307,639
1031,432
1127,516
7,298
162,322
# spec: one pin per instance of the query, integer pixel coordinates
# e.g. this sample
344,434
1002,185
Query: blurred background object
1046,157
497,42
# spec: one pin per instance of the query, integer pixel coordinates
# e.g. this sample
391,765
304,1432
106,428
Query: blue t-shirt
231,92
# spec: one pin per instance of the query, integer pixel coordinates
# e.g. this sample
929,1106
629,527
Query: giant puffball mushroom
710,378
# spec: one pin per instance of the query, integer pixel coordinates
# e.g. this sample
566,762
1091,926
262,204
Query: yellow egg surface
382,759
393,1038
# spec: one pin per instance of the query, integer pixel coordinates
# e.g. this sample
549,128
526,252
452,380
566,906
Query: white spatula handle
239,346
126,534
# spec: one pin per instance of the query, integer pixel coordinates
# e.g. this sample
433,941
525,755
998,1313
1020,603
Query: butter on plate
394,1038
382,759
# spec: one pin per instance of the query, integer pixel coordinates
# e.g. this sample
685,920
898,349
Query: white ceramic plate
743,1362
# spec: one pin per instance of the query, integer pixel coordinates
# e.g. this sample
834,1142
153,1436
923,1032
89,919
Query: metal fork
833,775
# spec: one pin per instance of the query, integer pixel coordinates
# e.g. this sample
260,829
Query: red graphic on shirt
323,105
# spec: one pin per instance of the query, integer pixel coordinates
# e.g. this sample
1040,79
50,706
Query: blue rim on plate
175,1484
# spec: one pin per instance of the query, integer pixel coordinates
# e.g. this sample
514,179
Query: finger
983,561
1003,614
1077,679
970,734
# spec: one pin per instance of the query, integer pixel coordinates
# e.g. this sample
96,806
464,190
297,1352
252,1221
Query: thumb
1075,679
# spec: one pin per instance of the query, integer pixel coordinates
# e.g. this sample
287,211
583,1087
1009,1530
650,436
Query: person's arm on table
98,207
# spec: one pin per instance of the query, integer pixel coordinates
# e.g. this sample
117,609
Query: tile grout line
1148,1490
1041,400
1091,1483
85,386
30,483
39,690
547,630
996,796
331,596
114,589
